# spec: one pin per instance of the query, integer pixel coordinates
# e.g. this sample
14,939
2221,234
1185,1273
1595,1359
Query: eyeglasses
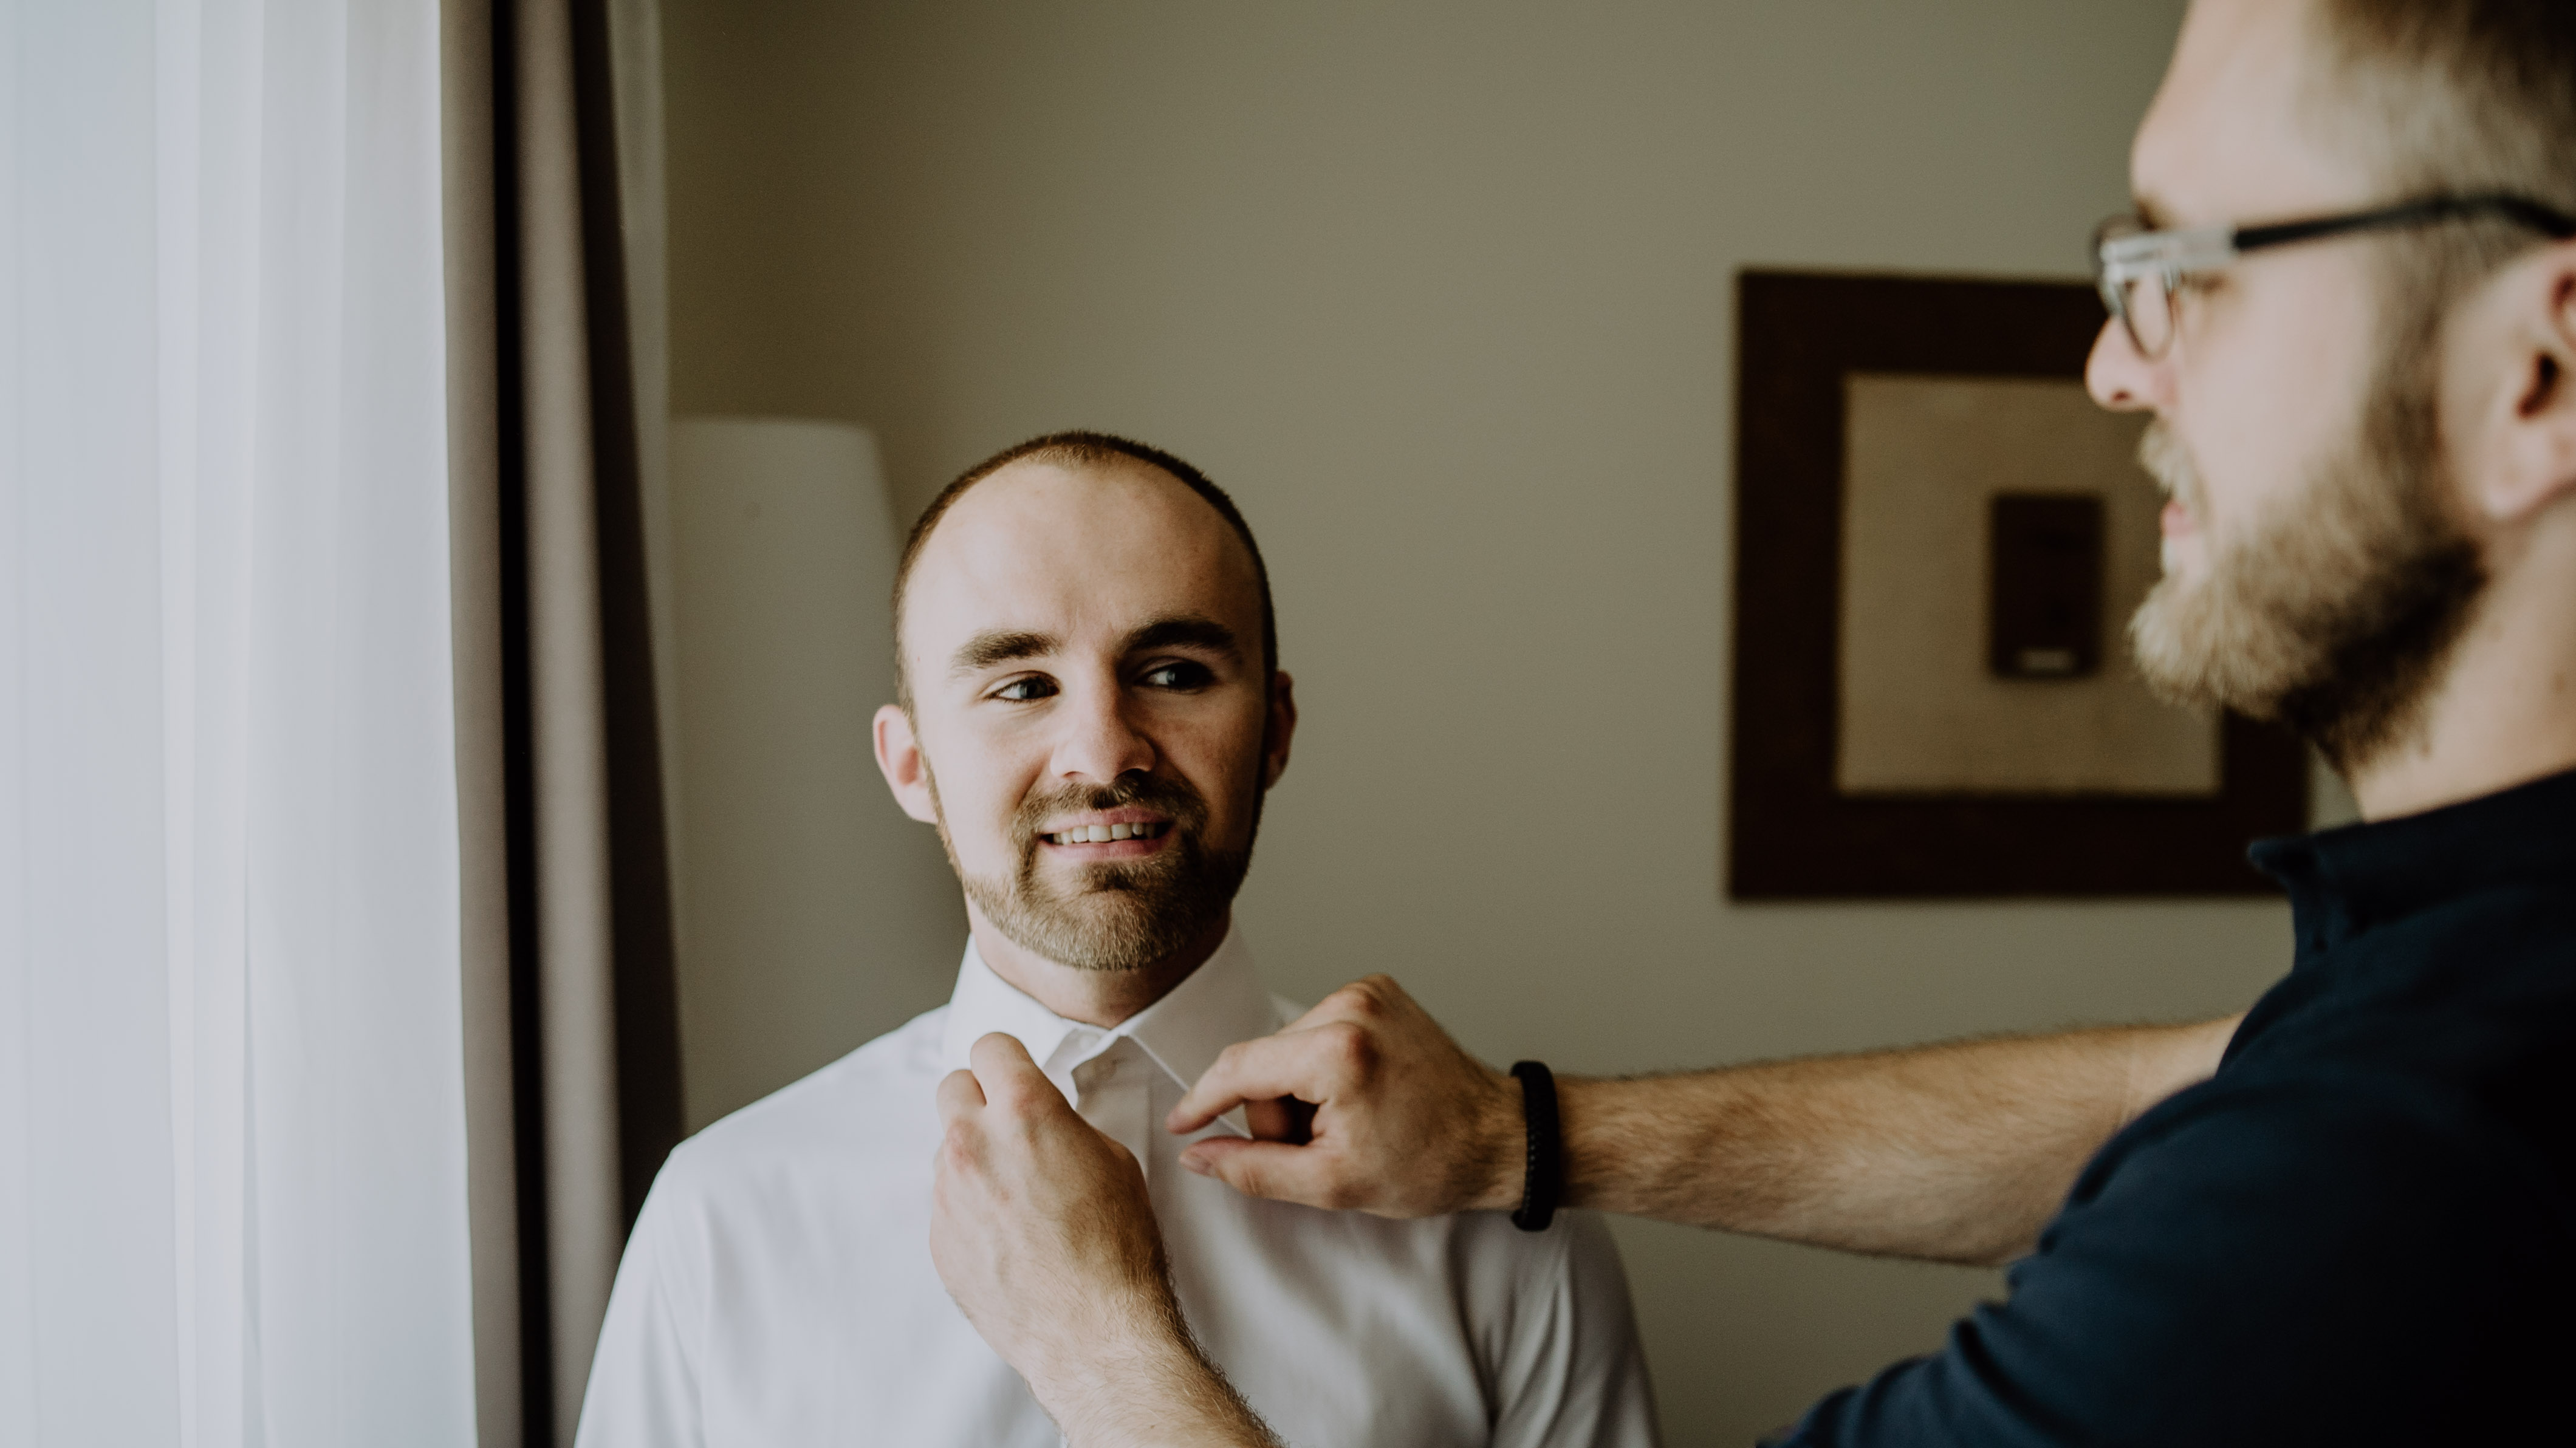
2139,271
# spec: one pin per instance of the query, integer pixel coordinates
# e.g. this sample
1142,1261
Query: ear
1278,728
899,760
2531,458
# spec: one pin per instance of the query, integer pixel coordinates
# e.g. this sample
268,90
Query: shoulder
1526,1287
872,1104
1556,1331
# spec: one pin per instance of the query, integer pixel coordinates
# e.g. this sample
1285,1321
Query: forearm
1154,1389
1956,1153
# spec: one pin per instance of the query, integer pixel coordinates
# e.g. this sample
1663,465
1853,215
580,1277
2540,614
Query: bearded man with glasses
2349,1215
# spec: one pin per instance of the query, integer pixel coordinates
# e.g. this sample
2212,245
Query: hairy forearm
1953,1153
1146,1384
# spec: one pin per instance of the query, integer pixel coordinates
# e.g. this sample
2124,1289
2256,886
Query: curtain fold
233,1178
337,1038
483,774
563,749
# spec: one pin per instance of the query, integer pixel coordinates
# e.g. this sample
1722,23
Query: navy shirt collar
2345,881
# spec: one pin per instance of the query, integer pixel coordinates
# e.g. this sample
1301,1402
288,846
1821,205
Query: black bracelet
1544,1178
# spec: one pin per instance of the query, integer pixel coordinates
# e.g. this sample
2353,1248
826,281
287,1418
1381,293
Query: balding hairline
1078,451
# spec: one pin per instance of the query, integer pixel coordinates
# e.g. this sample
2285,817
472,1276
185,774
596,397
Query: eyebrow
1183,630
1003,646
1000,646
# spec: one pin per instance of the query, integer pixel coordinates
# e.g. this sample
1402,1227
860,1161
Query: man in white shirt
1091,713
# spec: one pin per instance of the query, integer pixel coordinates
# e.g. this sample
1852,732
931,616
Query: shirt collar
1216,1005
2345,881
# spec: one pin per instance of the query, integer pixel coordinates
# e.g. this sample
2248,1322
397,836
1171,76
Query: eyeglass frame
2174,254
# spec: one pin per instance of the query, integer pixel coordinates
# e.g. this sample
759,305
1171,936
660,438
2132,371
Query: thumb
1266,1169
959,1097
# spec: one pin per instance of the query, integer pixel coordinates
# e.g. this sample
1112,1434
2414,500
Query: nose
1099,741
2116,375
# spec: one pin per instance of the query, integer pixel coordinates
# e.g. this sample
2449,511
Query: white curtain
232,1143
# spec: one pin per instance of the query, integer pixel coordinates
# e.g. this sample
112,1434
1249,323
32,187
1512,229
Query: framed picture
1939,540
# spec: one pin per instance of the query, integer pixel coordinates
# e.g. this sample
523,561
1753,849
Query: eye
1025,689
1179,674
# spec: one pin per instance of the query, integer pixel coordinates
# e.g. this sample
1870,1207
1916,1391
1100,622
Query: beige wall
1442,292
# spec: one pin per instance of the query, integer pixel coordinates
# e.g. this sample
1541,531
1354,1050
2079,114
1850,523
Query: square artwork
1922,709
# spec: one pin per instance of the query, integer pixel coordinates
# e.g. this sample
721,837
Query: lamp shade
813,914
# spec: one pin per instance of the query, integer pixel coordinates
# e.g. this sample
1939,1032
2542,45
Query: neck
2505,711
1094,997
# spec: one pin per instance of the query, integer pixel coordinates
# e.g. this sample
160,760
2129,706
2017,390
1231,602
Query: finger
1010,1079
1284,1173
1370,998
1311,1069
959,1096
1301,1063
1284,1119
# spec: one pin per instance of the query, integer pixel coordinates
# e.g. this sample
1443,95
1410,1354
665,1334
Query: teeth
1103,834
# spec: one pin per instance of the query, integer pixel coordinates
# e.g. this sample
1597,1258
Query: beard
2333,610
1113,915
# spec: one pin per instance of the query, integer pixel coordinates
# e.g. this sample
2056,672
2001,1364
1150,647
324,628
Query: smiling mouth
1104,834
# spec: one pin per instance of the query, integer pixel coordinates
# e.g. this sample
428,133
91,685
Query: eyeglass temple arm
2547,221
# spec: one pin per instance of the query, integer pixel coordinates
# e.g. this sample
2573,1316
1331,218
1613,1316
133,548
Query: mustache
2169,463
1173,797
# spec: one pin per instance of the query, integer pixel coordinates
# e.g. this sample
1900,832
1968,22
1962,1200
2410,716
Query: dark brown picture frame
1791,834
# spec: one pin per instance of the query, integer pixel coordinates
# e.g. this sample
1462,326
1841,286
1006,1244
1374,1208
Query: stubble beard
1113,915
2333,611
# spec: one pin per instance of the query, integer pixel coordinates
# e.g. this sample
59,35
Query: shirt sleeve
1573,1375
2293,1266
643,1390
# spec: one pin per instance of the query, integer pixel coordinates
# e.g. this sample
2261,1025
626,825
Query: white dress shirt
778,1291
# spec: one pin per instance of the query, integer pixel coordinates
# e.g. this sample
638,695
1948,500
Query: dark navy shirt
2359,1231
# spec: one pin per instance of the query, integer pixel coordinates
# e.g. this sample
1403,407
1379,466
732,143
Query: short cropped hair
1074,450
2451,97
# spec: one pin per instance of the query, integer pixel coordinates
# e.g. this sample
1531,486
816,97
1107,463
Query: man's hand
1405,1124
1042,1232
